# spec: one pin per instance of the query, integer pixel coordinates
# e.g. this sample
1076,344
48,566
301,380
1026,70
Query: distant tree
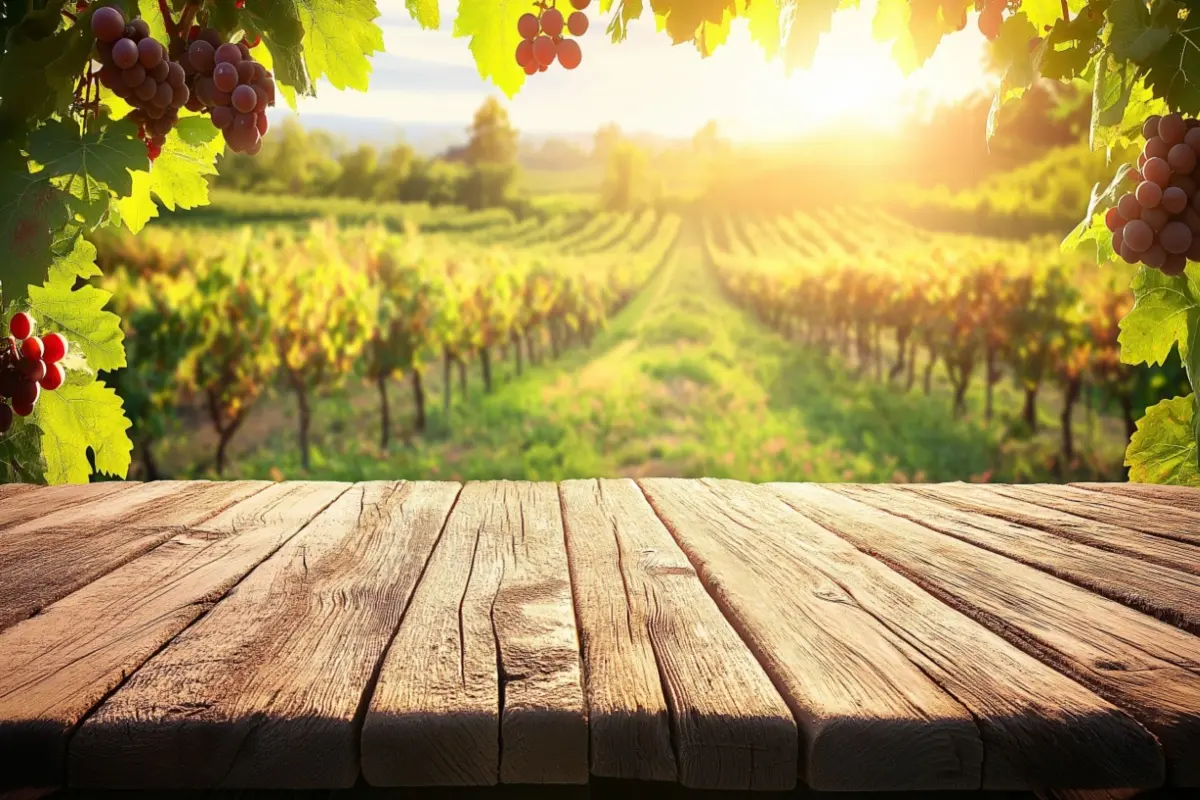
359,173
493,138
605,141
395,168
625,183
708,142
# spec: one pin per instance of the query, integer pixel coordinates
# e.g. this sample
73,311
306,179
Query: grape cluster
543,37
136,68
28,364
228,84
1158,223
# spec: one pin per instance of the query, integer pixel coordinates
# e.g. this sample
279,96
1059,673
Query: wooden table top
714,634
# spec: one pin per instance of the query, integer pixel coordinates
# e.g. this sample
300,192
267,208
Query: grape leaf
79,314
108,157
79,415
1173,69
1163,449
492,26
77,259
1092,226
25,89
1165,312
31,209
801,23
1133,35
762,18
314,39
425,12
618,26
177,178
21,454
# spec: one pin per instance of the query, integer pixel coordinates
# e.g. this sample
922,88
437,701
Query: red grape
1156,148
1193,253
180,96
108,24
202,55
161,72
1172,129
147,90
1150,126
175,75
34,370
54,377
150,53
525,53
580,5
32,348
263,125
1128,207
1158,171
1176,264
577,23
1192,139
1182,158
25,397
1176,237
1185,182
21,325
222,117
244,99
1174,200
1148,194
1113,220
528,26
1138,236
1128,254
552,22
139,28
569,54
163,95
247,72
229,53
1156,218
125,53
543,51
225,77
134,77
1141,160
531,68
1156,256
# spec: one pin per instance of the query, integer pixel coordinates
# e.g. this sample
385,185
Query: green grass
683,384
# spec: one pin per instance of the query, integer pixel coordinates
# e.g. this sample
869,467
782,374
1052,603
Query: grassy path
681,384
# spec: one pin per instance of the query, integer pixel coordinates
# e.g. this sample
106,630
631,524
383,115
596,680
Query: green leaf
108,157
77,260
77,416
314,39
1132,35
1092,227
425,12
79,314
1165,313
31,210
1163,449
1173,69
762,18
492,26
1067,50
29,88
177,178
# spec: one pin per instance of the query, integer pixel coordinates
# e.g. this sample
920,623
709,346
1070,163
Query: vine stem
187,17
1066,11
172,31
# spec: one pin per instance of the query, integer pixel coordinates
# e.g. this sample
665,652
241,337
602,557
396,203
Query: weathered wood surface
57,666
710,633
663,636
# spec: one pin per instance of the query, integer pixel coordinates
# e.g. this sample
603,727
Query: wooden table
716,634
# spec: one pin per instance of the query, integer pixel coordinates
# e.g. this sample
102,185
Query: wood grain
486,659
1146,667
65,501
45,559
869,718
981,499
1039,728
1115,509
642,611
265,690
1174,497
1168,594
8,490
55,667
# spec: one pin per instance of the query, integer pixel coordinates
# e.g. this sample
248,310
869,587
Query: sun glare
647,85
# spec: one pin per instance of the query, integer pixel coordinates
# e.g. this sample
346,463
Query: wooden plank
1176,497
487,657
1173,523
983,499
869,718
265,690
66,500
1147,667
55,667
1168,594
12,490
1037,727
44,560
642,611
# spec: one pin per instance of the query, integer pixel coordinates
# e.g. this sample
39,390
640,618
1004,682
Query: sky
647,85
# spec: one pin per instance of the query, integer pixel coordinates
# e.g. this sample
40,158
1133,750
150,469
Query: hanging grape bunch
28,364
990,18
544,37
1158,223
136,68
233,88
